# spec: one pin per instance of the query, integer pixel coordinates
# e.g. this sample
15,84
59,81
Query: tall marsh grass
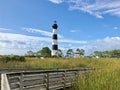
105,77
44,63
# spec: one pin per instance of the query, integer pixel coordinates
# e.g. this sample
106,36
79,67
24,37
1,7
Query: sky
92,25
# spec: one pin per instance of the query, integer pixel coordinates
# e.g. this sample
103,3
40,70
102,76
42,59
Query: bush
12,58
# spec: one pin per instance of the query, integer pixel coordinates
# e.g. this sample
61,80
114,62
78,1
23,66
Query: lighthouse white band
54,31
54,42
54,52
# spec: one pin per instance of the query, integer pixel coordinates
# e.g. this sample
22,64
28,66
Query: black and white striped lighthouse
54,40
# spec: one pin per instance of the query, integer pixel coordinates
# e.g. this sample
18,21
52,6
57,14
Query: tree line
8,58
46,52
108,53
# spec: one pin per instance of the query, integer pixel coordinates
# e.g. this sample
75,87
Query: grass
46,63
99,80
105,77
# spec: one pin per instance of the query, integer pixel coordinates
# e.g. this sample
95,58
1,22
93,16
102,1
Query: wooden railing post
21,81
4,82
64,79
76,76
47,80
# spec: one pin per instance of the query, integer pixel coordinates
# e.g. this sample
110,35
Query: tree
60,54
45,52
79,52
115,53
30,54
69,53
108,53
38,54
98,53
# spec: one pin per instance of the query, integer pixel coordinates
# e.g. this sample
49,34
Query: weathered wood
15,85
0,81
4,82
43,79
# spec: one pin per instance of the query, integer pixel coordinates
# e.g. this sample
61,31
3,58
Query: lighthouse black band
55,26
55,36
54,47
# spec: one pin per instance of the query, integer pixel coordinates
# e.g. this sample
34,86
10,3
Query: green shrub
12,58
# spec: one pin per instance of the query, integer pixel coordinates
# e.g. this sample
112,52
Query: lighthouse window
54,36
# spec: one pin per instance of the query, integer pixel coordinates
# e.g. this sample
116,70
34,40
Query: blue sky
85,24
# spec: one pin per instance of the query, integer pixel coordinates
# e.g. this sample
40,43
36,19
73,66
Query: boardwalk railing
40,79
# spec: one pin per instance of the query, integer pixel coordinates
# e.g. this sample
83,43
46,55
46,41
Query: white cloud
72,41
42,32
108,43
20,37
4,29
18,44
115,28
96,8
56,1
72,31
101,7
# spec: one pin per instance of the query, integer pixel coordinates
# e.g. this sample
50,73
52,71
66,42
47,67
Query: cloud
97,8
20,37
19,44
72,31
42,32
56,1
16,42
72,41
115,28
4,29
107,43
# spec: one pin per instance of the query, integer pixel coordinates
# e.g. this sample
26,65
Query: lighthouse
54,40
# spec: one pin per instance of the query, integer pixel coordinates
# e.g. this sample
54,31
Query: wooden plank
15,85
33,78
43,79
0,81
33,75
35,87
33,82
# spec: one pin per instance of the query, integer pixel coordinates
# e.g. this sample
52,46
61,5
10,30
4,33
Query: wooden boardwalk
50,79
0,81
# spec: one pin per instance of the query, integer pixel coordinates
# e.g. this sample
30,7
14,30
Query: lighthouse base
54,52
